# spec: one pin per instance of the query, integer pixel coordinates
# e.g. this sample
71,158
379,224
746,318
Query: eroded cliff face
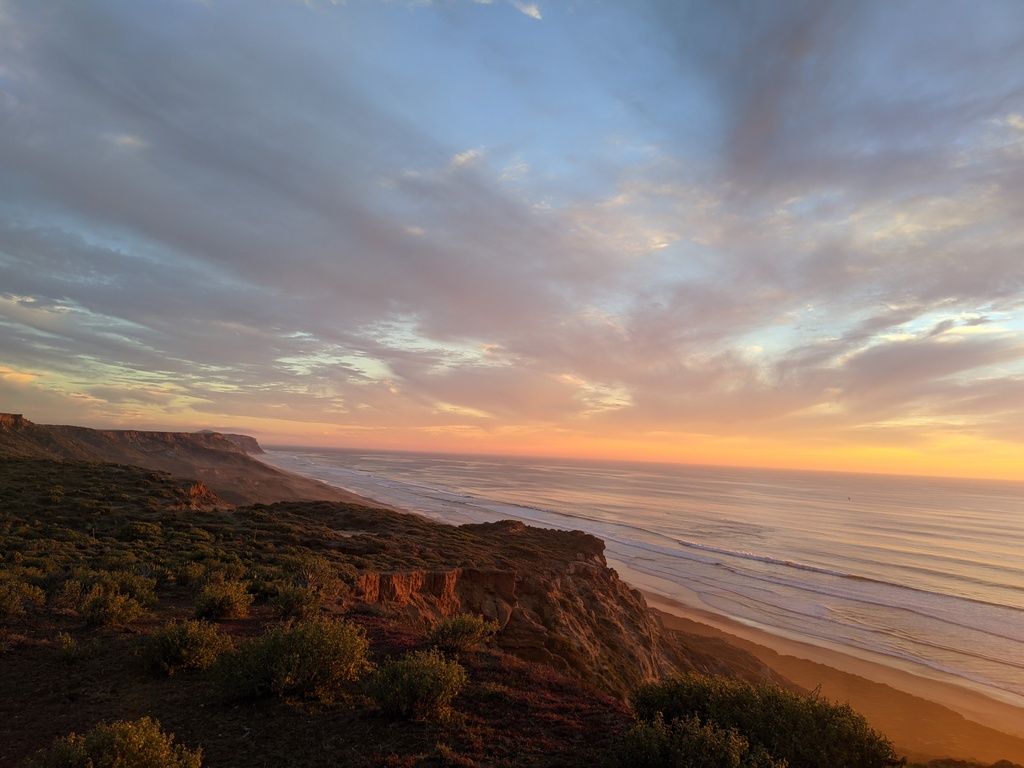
566,609
550,591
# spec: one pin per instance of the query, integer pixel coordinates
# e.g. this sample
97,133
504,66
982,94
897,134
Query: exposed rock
550,591
564,607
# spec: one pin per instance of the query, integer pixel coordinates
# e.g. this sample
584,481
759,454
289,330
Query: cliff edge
223,461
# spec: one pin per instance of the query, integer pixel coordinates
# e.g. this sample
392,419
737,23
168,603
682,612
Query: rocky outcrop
566,609
245,442
12,421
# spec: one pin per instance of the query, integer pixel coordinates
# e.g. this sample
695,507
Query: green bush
686,743
187,644
804,731
190,573
14,593
223,600
137,744
420,686
139,530
456,634
70,650
318,575
316,659
112,610
296,602
134,585
105,598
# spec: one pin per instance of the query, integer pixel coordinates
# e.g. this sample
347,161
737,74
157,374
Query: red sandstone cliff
562,607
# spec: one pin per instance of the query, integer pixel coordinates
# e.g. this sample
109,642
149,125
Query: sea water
925,573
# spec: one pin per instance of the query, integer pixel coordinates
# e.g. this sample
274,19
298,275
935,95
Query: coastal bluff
223,461
80,505
557,602
552,593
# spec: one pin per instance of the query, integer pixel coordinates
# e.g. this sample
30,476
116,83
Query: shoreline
926,719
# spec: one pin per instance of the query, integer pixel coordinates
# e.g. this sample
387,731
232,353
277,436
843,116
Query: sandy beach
926,719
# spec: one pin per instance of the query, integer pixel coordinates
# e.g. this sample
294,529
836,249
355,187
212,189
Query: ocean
923,574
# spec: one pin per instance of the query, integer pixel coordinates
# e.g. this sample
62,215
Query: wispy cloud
528,9
671,219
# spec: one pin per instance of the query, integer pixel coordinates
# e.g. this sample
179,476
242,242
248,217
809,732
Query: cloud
468,157
673,217
527,9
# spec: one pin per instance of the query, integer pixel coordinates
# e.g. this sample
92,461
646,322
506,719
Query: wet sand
926,719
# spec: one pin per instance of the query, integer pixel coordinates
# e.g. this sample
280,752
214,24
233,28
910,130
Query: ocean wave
744,583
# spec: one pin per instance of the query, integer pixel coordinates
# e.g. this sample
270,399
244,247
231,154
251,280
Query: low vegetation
687,743
316,659
800,731
465,632
181,645
420,686
138,744
224,600
262,656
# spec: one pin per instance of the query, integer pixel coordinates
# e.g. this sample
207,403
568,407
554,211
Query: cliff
556,602
551,592
223,461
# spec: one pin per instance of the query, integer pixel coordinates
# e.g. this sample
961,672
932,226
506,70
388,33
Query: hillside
96,557
222,461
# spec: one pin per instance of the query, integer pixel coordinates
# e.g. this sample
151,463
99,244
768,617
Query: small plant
189,573
123,744
139,530
685,743
223,600
296,602
69,650
420,686
112,610
803,731
316,659
458,634
13,596
189,644
318,575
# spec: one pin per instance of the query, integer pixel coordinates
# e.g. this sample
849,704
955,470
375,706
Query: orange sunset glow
785,237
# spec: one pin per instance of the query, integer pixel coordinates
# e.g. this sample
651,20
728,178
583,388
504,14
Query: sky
781,234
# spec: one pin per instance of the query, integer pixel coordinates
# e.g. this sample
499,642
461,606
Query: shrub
139,530
70,650
456,634
685,743
135,585
420,686
111,610
187,644
296,602
13,596
223,600
805,731
312,659
318,575
189,573
136,744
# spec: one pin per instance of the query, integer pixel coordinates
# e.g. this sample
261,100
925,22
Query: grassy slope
66,519
71,521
